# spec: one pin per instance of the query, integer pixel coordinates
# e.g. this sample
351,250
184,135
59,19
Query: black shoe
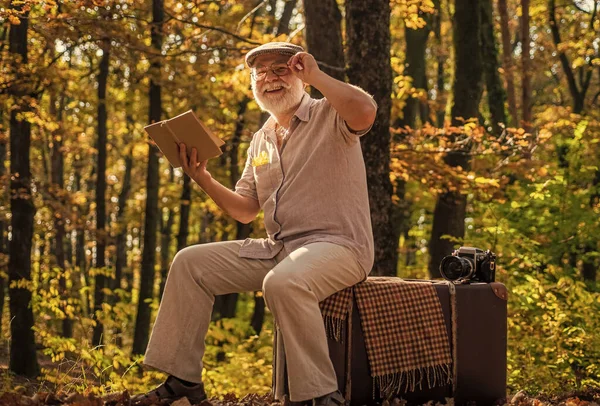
331,399
170,391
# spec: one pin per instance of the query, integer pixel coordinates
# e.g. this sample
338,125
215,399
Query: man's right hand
241,208
194,169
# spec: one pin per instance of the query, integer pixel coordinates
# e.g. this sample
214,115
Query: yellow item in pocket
261,159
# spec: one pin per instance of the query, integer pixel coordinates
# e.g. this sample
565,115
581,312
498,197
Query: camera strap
454,323
454,327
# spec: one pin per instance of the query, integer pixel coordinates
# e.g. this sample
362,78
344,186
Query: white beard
289,99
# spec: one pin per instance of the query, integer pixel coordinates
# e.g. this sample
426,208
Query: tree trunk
5,200
271,23
416,45
3,225
525,66
493,83
23,358
284,22
508,63
440,92
142,321
368,39
449,213
136,235
184,213
58,192
258,316
577,91
121,239
589,270
324,38
100,280
203,236
80,226
165,242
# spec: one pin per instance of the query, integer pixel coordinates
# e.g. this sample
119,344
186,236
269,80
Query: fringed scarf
403,326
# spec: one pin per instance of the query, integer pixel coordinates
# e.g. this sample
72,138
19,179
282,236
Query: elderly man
306,172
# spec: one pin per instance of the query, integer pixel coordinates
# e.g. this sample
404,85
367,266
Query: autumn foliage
532,186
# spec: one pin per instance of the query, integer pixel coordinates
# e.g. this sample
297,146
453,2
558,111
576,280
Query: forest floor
20,391
31,393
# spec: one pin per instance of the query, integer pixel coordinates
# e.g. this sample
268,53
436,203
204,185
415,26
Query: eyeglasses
280,69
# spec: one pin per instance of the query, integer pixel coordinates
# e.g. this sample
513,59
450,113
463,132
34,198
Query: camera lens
453,268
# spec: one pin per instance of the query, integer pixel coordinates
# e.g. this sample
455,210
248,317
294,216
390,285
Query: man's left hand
304,66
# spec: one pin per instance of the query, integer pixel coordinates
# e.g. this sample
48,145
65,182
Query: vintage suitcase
478,347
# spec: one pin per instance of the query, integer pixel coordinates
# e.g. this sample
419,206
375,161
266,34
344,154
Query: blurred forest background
487,135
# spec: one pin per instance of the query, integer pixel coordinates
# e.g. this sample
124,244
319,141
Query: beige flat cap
283,48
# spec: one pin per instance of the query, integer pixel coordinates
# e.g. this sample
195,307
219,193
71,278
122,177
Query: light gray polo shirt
313,190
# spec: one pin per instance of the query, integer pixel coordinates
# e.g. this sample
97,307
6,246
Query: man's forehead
268,59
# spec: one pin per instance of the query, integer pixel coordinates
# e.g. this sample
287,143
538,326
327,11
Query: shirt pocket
264,165
263,182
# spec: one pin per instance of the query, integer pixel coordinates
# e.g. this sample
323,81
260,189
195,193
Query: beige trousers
293,285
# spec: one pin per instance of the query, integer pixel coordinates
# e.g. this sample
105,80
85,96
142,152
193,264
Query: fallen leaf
181,402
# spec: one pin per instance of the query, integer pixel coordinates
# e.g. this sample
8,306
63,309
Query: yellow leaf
579,61
544,134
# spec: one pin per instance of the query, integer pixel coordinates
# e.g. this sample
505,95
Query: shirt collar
302,112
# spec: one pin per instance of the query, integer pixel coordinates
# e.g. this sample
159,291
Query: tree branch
594,12
574,3
218,29
595,98
250,13
588,78
564,60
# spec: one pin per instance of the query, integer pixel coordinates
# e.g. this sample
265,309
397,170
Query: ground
27,392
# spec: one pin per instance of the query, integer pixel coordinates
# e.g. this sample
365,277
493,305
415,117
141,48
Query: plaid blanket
404,332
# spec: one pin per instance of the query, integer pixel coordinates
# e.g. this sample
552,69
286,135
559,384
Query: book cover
186,128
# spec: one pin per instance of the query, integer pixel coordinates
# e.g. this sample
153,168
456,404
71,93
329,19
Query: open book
186,128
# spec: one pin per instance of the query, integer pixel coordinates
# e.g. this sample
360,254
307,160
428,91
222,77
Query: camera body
469,264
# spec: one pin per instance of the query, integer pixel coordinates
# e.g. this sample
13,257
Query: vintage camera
469,263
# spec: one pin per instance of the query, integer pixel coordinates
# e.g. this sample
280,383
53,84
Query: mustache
275,85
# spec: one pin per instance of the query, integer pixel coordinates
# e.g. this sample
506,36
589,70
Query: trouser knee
278,285
187,265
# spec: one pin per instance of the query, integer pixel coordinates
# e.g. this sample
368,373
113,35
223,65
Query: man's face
276,89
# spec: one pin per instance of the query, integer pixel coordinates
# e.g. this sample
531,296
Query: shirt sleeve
350,136
246,185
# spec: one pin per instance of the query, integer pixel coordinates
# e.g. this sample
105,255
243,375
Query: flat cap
283,48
